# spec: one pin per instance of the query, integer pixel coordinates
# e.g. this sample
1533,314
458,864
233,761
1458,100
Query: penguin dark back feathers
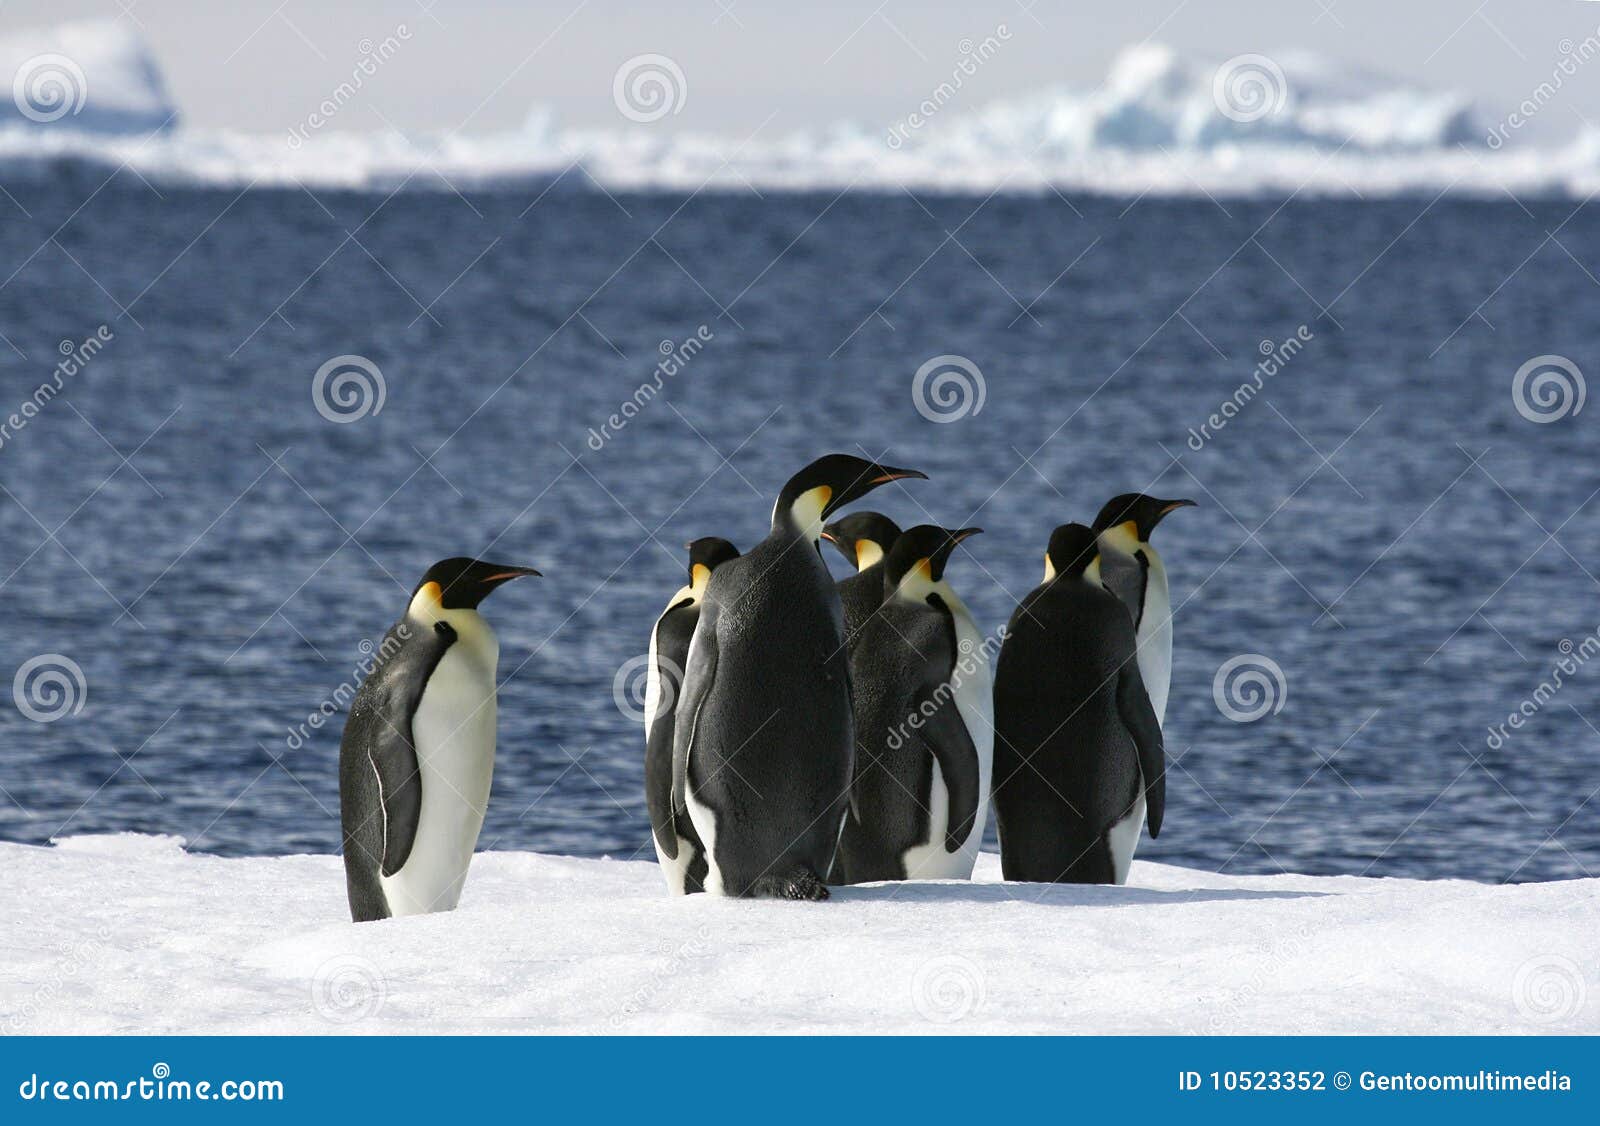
1144,512
1072,548
464,582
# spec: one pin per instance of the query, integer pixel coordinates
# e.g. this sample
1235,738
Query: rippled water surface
1380,521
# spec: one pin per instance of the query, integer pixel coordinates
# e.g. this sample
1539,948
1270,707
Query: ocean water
1381,531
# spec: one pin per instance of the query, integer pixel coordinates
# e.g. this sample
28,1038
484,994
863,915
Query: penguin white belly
454,734
704,820
1155,639
973,693
1123,838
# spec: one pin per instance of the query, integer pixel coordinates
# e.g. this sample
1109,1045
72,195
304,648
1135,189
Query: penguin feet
799,884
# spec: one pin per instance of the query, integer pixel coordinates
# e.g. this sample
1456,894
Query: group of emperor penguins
801,732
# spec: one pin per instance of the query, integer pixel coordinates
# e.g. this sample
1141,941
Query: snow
130,933
1161,122
94,76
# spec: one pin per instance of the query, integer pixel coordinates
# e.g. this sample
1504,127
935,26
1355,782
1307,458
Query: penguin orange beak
509,573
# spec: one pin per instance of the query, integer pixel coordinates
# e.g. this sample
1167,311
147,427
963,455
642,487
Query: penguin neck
427,610
869,553
802,517
918,585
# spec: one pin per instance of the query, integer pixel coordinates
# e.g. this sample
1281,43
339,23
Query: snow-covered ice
131,933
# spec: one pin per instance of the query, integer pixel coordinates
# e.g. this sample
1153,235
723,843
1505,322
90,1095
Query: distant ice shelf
131,933
1162,122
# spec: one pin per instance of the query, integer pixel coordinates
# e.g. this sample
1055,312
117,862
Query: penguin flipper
699,675
945,732
1139,717
391,750
664,685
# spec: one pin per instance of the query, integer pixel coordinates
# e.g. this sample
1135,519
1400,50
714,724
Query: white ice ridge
131,933
95,76
1161,122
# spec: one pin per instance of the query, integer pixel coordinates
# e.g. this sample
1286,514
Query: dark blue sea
1377,520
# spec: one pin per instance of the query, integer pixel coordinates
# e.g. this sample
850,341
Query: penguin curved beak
506,574
1171,505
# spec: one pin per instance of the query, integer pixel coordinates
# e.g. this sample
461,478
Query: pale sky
481,65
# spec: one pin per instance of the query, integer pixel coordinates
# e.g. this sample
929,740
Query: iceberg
96,76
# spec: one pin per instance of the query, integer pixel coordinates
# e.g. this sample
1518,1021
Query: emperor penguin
1134,572
678,849
864,539
764,745
1078,755
924,711
417,756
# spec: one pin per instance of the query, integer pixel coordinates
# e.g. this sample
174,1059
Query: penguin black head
1073,551
1136,509
863,538
706,555
827,485
462,583
922,552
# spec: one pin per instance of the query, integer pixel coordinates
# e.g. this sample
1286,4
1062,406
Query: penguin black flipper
700,676
378,768
672,637
946,735
1139,717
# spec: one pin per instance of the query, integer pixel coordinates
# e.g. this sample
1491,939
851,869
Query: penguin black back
1076,741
